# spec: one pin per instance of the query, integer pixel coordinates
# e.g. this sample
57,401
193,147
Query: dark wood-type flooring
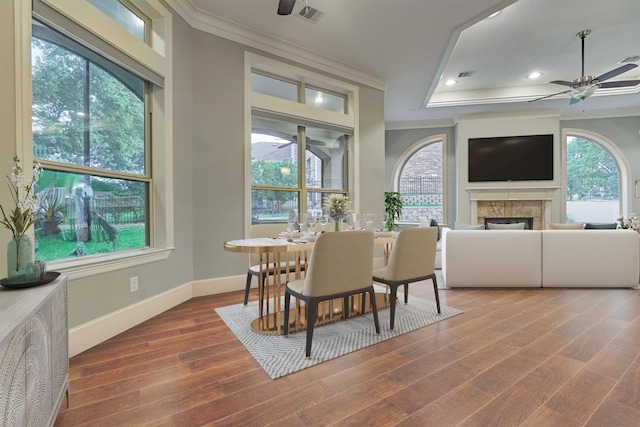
563,357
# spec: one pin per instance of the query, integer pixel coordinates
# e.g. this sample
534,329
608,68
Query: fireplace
528,221
512,202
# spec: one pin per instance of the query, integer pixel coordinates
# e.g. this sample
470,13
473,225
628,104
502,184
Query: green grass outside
55,247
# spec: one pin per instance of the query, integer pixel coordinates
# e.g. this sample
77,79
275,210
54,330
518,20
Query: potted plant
392,208
50,207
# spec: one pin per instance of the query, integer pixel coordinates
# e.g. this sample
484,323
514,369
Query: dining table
281,250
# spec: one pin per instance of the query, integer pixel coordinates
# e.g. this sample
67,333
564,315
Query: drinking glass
302,221
368,219
355,221
323,221
291,220
312,218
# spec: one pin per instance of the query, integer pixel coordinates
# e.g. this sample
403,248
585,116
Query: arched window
419,177
596,178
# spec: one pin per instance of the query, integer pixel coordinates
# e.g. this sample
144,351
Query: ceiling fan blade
623,83
285,7
613,73
562,82
549,96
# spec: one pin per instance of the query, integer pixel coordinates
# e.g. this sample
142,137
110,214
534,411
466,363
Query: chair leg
287,300
312,307
435,290
392,306
406,293
246,289
345,308
374,309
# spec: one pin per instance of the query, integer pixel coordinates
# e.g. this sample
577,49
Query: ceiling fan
585,86
285,7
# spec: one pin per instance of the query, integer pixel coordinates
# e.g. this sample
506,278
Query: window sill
78,268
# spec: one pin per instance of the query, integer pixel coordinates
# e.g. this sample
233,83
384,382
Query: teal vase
19,259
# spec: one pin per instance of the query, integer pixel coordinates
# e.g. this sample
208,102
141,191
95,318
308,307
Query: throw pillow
459,226
567,226
512,226
600,226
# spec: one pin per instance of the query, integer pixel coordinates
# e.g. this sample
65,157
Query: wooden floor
566,357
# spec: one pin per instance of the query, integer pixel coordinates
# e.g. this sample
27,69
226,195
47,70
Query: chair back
340,262
264,230
413,254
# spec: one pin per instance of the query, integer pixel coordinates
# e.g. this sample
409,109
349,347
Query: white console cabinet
34,354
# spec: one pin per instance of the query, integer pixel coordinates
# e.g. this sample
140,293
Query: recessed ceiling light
494,14
450,82
534,75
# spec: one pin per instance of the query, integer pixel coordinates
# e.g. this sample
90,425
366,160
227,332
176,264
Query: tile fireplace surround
495,202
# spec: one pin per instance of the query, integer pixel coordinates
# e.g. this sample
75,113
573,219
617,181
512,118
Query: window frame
408,154
301,114
624,168
157,58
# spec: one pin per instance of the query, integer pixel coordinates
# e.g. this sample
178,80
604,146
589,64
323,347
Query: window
282,181
124,15
301,130
593,181
89,133
419,179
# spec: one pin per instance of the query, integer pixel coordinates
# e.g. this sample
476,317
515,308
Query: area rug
280,356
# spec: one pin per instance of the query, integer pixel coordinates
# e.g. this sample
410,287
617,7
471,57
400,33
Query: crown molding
214,25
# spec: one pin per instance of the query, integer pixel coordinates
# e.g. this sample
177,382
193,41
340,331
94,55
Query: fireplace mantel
511,193
513,196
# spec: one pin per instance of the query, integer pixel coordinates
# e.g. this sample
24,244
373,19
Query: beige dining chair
412,259
341,265
266,230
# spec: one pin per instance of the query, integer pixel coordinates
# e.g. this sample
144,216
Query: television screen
511,158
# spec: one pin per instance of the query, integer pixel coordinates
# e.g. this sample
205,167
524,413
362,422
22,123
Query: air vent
310,14
635,58
465,74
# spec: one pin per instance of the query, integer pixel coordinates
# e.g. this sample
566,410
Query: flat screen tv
511,158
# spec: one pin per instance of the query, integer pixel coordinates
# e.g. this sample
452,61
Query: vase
19,259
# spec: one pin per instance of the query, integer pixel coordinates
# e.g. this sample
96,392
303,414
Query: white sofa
540,258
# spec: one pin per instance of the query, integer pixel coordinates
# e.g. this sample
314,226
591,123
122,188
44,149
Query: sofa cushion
460,226
600,226
600,258
512,226
565,226
500,258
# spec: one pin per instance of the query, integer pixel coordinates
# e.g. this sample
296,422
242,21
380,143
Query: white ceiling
410,47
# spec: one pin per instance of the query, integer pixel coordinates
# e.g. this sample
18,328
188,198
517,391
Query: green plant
22,216
392,208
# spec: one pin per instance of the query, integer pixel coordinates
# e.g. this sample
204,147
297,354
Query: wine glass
312,218
302,221
323,221
291,220
368,219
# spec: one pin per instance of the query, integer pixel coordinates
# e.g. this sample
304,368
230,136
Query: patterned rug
280,356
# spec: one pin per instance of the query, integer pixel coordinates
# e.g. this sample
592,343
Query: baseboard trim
92,333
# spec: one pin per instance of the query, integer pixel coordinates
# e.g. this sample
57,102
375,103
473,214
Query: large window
90,134
593,182
299,146
419,179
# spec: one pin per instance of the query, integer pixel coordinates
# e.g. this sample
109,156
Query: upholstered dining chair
340,266
265,230
412,259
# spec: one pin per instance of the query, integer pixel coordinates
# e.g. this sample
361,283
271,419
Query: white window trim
414,148
624,167
159,58
347,119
